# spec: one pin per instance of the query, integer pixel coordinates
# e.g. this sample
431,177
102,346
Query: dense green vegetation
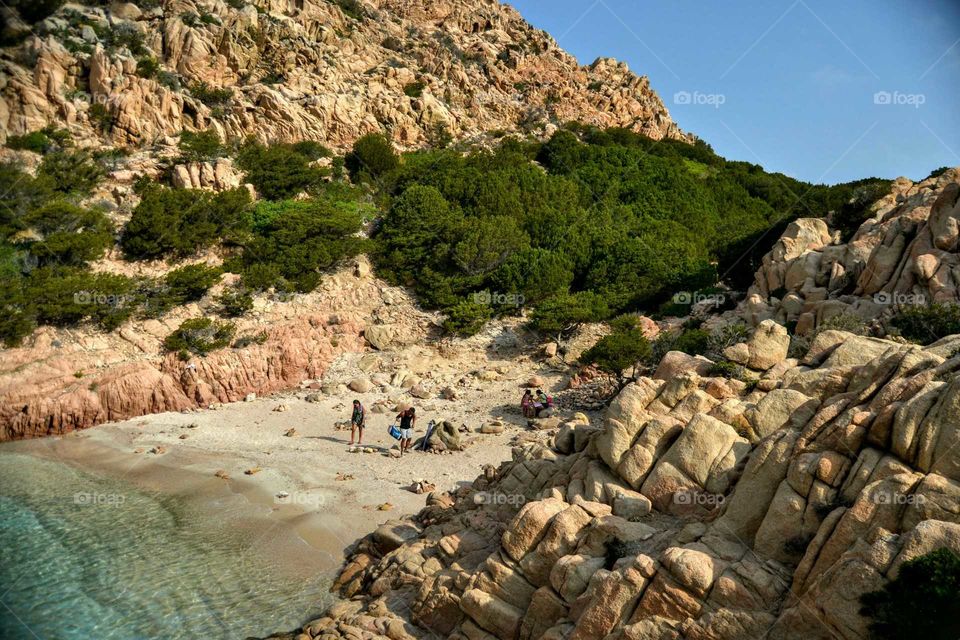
922,602
926,324
279,171
179,222
588,226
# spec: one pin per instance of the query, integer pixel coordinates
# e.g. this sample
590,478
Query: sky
822,90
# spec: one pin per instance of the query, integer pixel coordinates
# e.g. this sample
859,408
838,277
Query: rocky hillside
905,253
67,379
287,70
699,508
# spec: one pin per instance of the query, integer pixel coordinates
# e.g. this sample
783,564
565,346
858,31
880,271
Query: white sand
327,513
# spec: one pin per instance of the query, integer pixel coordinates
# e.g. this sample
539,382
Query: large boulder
766,347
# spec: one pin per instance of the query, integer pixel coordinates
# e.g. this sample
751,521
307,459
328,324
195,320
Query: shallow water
86,557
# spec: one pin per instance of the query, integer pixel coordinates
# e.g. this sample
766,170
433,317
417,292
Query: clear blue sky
788,84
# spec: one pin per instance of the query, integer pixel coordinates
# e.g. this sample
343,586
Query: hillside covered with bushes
588,225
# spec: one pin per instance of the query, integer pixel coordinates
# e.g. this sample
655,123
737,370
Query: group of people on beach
406,419
531,406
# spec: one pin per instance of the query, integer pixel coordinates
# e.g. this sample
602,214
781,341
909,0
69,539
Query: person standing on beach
357,421
408,419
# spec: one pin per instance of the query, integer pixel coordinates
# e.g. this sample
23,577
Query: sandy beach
308,492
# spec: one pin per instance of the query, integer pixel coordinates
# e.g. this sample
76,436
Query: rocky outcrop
308,70
66,379
906,253
755,514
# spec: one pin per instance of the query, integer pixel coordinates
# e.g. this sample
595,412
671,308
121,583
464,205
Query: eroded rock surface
308,70
765,520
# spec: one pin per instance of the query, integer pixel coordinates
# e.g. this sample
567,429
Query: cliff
289,70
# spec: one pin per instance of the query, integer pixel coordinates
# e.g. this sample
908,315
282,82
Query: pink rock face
77,381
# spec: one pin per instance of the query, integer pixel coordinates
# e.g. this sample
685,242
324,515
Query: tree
69,235
278,171
921,602
200,146
373,156
466,318
71,172
562,313
620,351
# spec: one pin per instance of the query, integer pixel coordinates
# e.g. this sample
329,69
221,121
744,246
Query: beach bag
394,431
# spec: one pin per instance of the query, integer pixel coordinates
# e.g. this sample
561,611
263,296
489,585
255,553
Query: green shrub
849,216
466,318
211,96
922,602
190,283
183,221
250,339
726,369
372,156
200,146
562,313
199,336
295,240
413,89
180,286
41,141
392,43
235,302
926,324
71,172
148,67
625,348
101,117
351,8
68,234
62,296
278,171
311,149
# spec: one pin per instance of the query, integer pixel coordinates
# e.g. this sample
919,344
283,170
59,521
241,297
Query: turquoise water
83,557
